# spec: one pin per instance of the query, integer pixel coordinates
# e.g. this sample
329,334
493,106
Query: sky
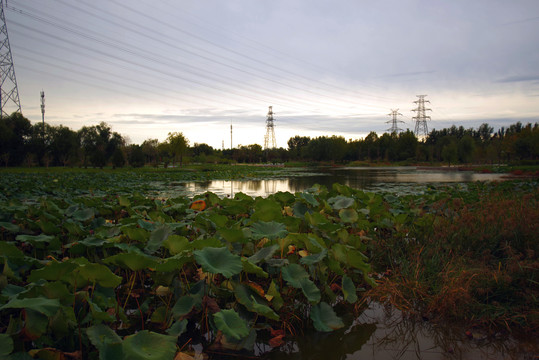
326,67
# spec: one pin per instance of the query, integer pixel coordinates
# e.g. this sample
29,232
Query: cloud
518,78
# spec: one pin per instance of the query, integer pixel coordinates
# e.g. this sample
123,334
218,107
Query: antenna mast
9,92
269,138
421,130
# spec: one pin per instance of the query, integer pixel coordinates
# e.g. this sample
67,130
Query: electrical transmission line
394,130
9,92
421,129
269,138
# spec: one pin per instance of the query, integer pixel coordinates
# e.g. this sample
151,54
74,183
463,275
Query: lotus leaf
147,345
219,261
176,244
324,318
6,345
178,328
271,230
348,215
42,305
184,305
251,268
264,254
231,324
349,289
100,274
267,210
83,214
133,261
156,238
341,202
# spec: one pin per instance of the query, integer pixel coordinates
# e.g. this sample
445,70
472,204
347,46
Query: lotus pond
101,265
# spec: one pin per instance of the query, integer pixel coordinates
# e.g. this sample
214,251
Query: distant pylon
421,129
9,92
394,128
269,138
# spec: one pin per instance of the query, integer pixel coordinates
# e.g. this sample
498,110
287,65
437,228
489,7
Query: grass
473,259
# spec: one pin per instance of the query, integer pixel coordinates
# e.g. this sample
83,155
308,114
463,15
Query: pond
392,179
383,333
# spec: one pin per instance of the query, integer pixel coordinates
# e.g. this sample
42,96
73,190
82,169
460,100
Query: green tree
296,145
465,149
15,130
178,145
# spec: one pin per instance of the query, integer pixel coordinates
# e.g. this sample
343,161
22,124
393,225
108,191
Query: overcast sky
327,67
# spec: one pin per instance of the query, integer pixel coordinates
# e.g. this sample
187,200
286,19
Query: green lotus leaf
231,324
178,328
106,341
35,239
263,254
10,250
176,244
218,261
271,230
293,273
309,198
251,268
54,271
42,305
10,227
136,234
184,305
348,215
314,258
35,323
100,274
267,210
324,318
297,277
276,298
246,297
83,215
233,235
157,237
349,289
147,345
6,345
173,263
341,202
133,261
263,310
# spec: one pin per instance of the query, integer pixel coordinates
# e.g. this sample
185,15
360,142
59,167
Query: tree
151,151
450,153
136,156
465,149
15,130
296,145
178,145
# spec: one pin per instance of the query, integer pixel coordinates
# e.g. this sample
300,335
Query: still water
380,332
393,179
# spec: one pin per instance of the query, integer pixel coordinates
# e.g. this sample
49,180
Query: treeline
24,144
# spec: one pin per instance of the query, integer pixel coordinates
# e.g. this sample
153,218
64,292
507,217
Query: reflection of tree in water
404,337
337,345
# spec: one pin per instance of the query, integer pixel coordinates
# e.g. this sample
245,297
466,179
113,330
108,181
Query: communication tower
421,129
269,138
9,92
394,130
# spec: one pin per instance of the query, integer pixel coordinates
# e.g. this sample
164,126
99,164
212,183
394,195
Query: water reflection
393,179
382,332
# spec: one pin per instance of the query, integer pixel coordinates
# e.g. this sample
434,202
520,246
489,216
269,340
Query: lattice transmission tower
9,92
421,129
394,130
269,138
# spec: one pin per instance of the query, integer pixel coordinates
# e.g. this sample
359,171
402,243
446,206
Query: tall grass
472,258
